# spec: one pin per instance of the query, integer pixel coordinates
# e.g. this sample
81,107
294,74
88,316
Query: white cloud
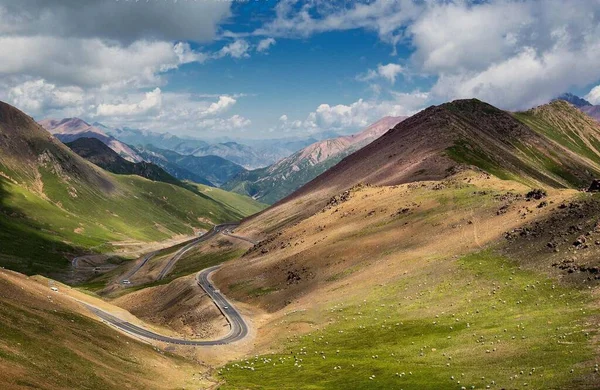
357,115
512,53
594,95
265,44
38,96
152,101
221,105
283,118
389,71
237,49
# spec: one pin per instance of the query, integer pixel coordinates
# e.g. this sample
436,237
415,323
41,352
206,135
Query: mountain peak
573,99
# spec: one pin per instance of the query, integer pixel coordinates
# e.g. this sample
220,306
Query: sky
273,69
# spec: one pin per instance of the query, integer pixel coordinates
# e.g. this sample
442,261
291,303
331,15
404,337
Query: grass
43,346
38,231
484,322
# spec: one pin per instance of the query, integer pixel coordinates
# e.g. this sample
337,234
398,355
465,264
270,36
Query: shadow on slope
27,246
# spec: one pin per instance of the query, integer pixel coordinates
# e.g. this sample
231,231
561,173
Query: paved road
139,265
238,327
175,258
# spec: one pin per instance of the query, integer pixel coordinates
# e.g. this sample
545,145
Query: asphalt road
139,265
238,327
175,258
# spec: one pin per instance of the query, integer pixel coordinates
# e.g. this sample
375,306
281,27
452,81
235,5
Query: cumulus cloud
38,96
512,53
151,101
237,49
221,105
357,115
265,44
389,72
283,118
594,95
122,21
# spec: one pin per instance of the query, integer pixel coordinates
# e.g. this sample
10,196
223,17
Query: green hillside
53,203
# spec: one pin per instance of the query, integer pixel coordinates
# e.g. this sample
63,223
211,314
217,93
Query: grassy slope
40,230
489,323
44,344
433,323
241,204
558,122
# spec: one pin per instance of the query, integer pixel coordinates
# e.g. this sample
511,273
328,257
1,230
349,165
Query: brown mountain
533,147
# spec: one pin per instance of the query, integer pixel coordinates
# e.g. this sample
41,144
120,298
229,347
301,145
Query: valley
462,263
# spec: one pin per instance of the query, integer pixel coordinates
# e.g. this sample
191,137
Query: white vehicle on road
54,288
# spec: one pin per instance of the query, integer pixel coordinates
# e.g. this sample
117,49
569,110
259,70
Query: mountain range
204,169
285,176
70,129
99,154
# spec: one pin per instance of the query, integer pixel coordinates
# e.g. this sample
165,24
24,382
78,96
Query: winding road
238,327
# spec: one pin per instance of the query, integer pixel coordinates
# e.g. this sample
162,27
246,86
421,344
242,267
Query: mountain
214,169
574,100
282,178
582,104
146,137
243,155
537,147
54,204
70,129
593,111
96,152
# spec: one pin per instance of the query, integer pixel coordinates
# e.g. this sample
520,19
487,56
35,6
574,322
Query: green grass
38,231
483,320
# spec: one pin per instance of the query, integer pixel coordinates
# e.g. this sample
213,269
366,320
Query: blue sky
265,69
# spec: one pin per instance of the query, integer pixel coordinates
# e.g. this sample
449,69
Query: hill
593,111
285,176
213,169
54,204
427,259
51,342
582,104
96,152
440,140
71,129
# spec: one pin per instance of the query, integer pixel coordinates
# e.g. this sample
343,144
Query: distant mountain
574,100
593,111
215,169
96,152
250,157
70,129
285,176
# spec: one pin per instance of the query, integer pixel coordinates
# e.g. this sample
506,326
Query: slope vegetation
46,342
55,204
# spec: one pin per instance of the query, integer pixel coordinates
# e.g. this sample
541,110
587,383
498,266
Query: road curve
238,327
175,258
